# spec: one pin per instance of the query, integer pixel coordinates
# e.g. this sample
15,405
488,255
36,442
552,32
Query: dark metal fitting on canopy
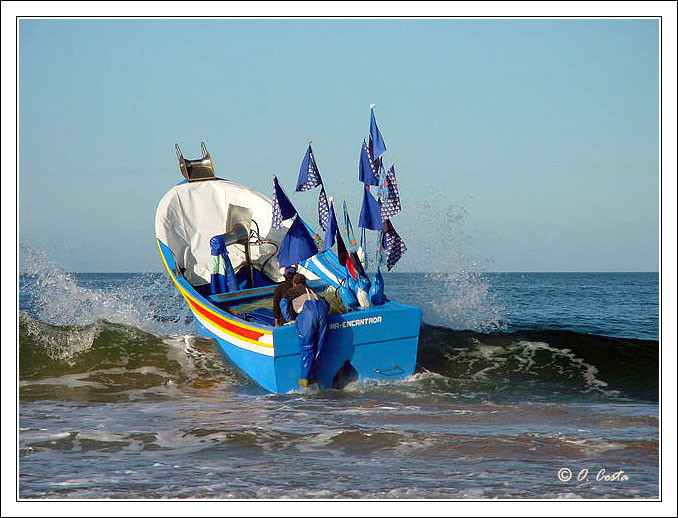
196,170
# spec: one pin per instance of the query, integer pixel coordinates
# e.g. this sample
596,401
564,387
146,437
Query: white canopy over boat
191,213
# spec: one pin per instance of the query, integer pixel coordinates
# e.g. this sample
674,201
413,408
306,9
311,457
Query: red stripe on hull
245,333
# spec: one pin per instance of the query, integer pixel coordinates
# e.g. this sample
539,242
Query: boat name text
357,322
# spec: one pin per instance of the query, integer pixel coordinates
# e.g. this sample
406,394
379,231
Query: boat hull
379,342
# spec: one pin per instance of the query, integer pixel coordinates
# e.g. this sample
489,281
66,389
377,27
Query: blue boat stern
379,343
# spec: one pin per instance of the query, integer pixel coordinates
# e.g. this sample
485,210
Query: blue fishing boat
224,247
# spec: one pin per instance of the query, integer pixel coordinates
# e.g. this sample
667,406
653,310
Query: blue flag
396,246
297,245
282,207
390,203
368,169
370,213
378,145
309,176
331,230
323,208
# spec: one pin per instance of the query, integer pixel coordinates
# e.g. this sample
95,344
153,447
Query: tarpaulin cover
191,213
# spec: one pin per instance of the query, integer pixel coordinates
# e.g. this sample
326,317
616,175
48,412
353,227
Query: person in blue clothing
309,310
280,290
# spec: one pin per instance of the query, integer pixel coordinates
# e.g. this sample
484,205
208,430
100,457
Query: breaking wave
106,361
145,301
540,362
109,362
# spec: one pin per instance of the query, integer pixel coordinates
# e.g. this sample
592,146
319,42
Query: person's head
289,272
298,279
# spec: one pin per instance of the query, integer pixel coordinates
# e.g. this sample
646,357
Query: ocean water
520,378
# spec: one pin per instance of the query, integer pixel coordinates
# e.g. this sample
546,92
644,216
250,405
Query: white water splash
461,300
58,299
487,362
61,343
454,292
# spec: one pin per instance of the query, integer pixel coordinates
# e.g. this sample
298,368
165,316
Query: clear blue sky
520,145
